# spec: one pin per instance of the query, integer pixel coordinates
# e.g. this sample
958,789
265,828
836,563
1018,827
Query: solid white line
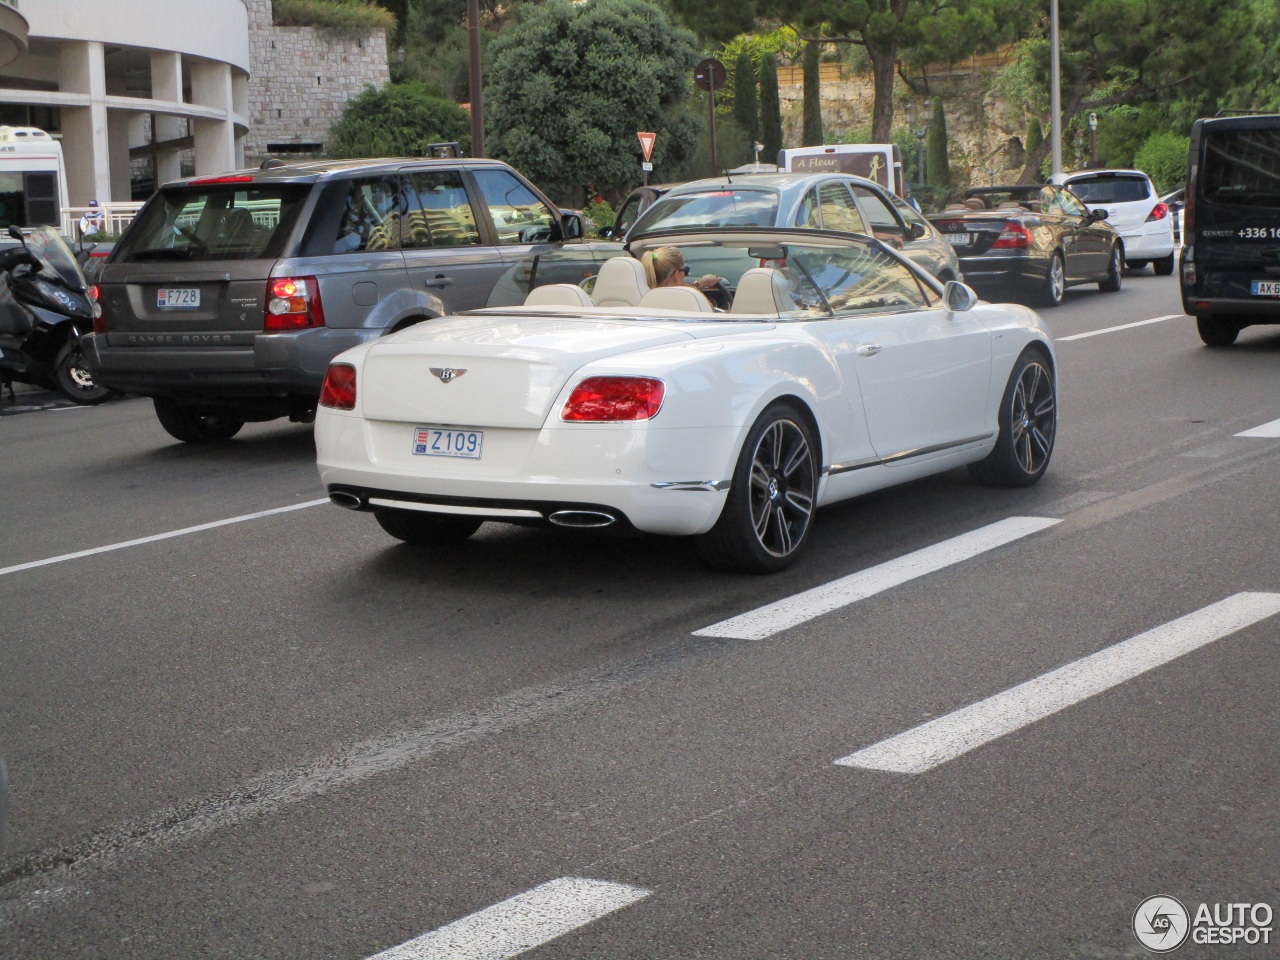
1123,326
525,921
1269,430
159,536
775,617
928,745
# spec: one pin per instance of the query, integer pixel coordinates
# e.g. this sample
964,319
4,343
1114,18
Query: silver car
818,201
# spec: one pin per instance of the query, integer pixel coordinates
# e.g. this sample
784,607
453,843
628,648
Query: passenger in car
665,267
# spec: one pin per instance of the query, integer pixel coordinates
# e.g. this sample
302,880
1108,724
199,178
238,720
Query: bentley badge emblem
446,374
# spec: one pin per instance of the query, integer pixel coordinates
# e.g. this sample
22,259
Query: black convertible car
1031,242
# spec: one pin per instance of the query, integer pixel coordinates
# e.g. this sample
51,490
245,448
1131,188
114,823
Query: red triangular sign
646,144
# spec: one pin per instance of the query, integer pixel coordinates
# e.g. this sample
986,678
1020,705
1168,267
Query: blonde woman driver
664,267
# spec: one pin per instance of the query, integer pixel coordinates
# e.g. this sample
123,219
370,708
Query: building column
240,104
166,84
118,151
85,143
215,139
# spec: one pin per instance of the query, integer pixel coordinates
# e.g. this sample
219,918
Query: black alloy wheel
427,529
767,515
1028,425
1115,271
191,425
75,381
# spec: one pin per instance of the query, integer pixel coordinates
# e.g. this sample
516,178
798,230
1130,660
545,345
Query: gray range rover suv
228,295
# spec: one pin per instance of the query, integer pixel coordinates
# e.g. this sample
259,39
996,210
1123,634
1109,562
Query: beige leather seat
620,283
763,290
676,298
558,295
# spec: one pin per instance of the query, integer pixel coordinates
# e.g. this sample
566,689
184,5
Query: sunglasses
684,270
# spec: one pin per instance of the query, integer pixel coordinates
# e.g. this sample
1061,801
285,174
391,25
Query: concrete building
144,91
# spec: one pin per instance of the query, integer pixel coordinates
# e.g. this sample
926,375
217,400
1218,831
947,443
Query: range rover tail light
293,303
339,390
1014,236
610,399
99,318
1158,212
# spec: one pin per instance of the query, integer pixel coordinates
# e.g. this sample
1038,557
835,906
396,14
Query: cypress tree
746,105
770,107
1035,135
937,168
811,135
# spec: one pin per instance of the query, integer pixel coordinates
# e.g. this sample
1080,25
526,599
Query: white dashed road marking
1123,326
16,568
514,926
776,617
1269,430
934,743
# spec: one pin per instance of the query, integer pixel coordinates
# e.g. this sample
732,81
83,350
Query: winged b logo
446,374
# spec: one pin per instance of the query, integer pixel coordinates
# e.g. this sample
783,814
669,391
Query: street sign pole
647,140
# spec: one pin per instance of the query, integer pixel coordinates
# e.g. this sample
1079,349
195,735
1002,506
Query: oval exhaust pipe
581,518
345,499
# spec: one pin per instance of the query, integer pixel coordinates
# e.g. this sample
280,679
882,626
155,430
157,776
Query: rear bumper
1254,311
1148,245
1012,273
276,366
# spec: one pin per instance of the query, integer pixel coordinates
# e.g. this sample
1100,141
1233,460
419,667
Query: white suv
1133,208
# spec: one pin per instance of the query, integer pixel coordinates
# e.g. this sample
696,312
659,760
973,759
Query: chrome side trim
451,508
703,486
838,468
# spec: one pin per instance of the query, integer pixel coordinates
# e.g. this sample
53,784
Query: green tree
811,133
1035,134
746,105
399,120
770,108
1164,159
567,91
937,166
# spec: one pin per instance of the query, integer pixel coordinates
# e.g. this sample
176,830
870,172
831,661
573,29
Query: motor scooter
45,309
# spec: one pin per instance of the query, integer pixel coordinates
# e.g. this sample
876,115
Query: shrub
1163,157
339,16
399,120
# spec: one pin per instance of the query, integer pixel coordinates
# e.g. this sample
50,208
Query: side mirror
916,231
571,227
958,297
16,233
605,233
1096,215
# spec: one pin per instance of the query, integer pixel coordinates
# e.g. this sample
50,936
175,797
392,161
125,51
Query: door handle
868,349
439,280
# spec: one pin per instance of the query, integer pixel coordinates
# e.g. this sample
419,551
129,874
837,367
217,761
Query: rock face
985,137
302,78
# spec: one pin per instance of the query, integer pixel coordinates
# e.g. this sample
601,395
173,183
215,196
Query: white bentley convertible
837,369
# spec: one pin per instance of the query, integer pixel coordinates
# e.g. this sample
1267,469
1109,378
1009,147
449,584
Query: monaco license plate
958,239
178,298
443,442
1265,288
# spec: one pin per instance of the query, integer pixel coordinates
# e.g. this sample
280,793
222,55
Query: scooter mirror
15,232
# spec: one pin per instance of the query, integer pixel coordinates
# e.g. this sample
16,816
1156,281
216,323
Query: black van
1231,234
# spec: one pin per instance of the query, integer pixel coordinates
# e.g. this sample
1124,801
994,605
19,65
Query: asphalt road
289,736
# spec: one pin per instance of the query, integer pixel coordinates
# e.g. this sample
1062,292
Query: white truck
881,162
33,178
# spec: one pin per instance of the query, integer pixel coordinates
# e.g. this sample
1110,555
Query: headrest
620,283
975,203
676,298
762,290
558,295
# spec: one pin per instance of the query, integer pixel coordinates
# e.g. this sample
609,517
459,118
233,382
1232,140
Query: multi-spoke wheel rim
1033,417
783,487
1057,279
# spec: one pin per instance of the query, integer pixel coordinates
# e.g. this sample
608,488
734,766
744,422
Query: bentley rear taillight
339,390
1014,236
608,399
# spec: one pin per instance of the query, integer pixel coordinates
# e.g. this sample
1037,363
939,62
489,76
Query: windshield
214,223
1111,188
56,257
720,207
1242,167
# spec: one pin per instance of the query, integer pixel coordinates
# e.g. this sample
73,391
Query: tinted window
370,216
439,213
1241,167
1111,189
839,212
215,223
728,207
518,215
627,215
883,222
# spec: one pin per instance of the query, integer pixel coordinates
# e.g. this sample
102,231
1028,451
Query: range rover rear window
1242,167
213,223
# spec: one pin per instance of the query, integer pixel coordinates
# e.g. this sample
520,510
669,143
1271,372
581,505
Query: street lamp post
1055,91
1093,139
477,92
919,135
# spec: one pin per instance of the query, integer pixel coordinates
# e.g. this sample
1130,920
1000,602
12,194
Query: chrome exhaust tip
346,499
581,518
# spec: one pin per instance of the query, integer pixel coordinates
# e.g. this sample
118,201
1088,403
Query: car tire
1115,272
1054,287
766,518
1028,425
1217,331
1136,264
191,425
427,529
75,381
1163,265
